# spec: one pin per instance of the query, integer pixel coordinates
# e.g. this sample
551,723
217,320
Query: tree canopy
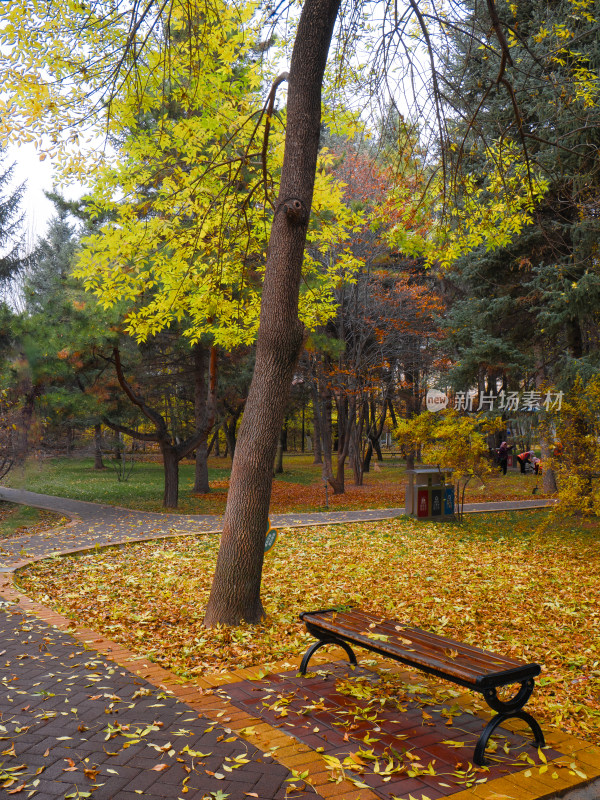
213,218
528,309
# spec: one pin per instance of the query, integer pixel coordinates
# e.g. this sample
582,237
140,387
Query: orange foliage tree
380,346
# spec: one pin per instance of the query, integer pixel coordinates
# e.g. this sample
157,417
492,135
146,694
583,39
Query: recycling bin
429,493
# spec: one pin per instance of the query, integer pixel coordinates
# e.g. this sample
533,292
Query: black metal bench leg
314,647
479,754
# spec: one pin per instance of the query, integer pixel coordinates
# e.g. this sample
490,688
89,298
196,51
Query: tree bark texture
171,473
317,436
235,592
98,463
205,410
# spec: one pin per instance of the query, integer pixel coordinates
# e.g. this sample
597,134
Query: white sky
37,176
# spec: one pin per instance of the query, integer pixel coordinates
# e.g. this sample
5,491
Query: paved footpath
100,525
75,723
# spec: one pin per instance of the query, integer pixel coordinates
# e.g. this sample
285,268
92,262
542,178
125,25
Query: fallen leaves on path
74,724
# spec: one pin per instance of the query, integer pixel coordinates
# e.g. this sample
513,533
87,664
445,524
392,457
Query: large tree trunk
171,471
235,592
548,478
98,463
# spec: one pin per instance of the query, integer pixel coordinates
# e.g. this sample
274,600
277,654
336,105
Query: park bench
479,670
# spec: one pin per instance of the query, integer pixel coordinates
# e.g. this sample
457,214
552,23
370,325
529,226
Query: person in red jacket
525,458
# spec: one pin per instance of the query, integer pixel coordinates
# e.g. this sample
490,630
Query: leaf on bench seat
451,653
378,637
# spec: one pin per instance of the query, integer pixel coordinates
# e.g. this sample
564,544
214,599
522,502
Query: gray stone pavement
99,525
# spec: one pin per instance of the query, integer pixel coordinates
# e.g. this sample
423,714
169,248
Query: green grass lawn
15,519
523,584
76,478
299,489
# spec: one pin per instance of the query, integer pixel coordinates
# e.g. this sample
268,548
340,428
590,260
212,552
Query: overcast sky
37,176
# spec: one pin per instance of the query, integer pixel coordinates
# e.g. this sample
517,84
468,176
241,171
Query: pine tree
529,310
52,263
12,260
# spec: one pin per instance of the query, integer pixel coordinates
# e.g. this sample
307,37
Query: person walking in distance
503,456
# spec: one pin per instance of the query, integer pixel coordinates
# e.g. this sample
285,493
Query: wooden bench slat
485,660
482,660
471,666
434,640
464,675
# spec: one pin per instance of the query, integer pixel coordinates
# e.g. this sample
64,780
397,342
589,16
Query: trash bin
429,493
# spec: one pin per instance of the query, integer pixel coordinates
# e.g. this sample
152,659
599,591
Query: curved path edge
95,525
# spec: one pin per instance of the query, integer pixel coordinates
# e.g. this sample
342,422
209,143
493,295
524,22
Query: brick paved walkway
72,722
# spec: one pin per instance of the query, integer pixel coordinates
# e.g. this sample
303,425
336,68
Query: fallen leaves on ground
299,489
524,585
66,732
382,488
